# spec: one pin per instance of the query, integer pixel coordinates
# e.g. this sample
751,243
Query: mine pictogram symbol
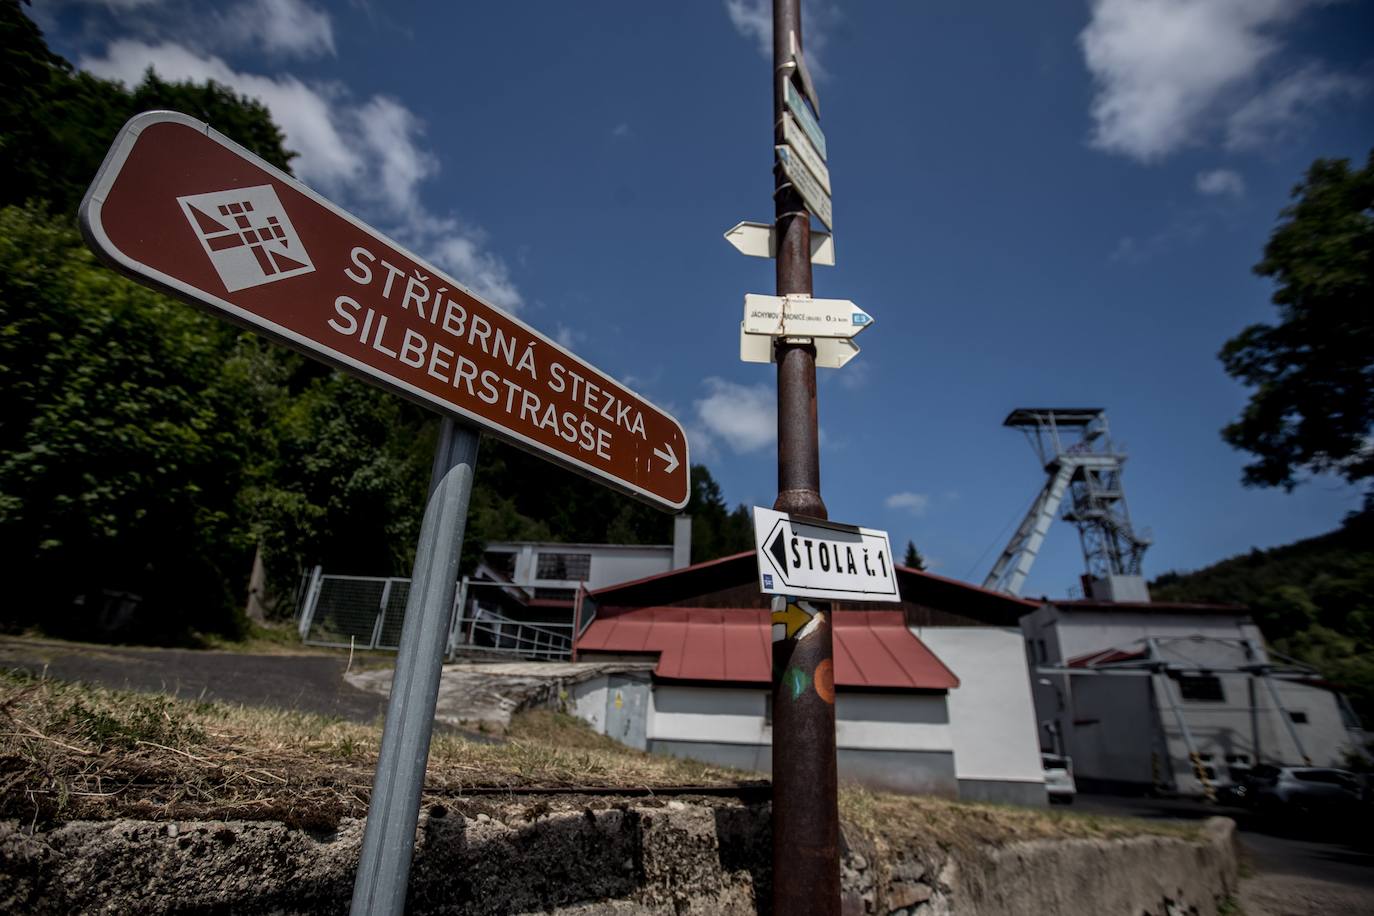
247,235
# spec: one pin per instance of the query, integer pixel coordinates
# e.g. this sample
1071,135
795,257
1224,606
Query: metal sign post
394,809
806,822
183,209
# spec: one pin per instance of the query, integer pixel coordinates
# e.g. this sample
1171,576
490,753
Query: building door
627,708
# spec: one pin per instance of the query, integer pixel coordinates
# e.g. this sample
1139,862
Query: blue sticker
861,319
767,581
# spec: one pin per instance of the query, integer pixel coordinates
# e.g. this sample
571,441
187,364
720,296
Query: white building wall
892,722
1326,735
626,564
731,715
610,564
992,716
589,702
863,721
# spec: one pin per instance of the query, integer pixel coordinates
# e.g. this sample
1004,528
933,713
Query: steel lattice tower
1075,448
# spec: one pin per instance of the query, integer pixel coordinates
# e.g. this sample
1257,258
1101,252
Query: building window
502,562
1296,717
575,566
1203,688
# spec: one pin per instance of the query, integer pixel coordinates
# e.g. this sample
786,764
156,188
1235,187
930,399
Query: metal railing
492,632
366,612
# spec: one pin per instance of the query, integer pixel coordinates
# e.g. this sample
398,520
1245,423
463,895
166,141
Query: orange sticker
825,681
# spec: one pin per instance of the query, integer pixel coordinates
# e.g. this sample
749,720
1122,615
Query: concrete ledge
591,856
1004,792
1147,875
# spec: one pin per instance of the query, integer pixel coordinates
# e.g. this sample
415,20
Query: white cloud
753,19
368,156
915,503
855,375
1221,182
283,27
621,130
744,417
1284,107
567,338
1166,71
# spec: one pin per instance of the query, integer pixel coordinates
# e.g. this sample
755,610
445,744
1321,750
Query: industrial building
1180,698
1145,695
932,695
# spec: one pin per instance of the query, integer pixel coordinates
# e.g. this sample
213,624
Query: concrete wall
992,715
896,741
587,701
662,858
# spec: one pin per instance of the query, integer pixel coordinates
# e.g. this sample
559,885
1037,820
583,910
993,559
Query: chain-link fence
363,612
367,612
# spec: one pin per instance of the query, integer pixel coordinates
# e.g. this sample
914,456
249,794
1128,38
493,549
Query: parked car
1059,778
1302,790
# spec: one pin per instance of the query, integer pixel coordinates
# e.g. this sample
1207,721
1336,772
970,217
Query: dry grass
914,821
70,751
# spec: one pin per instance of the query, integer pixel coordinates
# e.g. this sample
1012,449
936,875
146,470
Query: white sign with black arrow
811,558
802,316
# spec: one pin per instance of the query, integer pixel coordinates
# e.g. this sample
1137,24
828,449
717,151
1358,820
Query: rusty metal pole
806,827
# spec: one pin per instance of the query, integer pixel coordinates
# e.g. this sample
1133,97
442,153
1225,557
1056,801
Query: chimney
682,541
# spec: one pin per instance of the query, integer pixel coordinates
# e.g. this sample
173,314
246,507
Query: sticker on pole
180,207
811,558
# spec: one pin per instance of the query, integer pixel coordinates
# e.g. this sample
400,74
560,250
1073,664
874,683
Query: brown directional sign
180,207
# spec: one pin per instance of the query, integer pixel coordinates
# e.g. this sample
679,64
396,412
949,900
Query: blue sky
1054,203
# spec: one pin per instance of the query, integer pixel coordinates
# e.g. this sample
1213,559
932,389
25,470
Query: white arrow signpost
828,323
760,240
802,316
810,558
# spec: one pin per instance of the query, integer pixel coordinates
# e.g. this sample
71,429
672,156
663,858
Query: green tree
717,530
913,559
1313,407
123,436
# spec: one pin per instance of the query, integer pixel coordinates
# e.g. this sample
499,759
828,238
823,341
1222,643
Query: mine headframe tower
1075,448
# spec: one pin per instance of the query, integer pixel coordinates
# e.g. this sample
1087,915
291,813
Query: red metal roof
1106,657
872,648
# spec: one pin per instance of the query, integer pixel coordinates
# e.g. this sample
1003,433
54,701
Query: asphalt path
306,683
1340,853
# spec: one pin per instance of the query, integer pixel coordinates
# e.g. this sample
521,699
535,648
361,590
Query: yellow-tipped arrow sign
788,621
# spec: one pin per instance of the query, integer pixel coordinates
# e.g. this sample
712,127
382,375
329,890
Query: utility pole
806,829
